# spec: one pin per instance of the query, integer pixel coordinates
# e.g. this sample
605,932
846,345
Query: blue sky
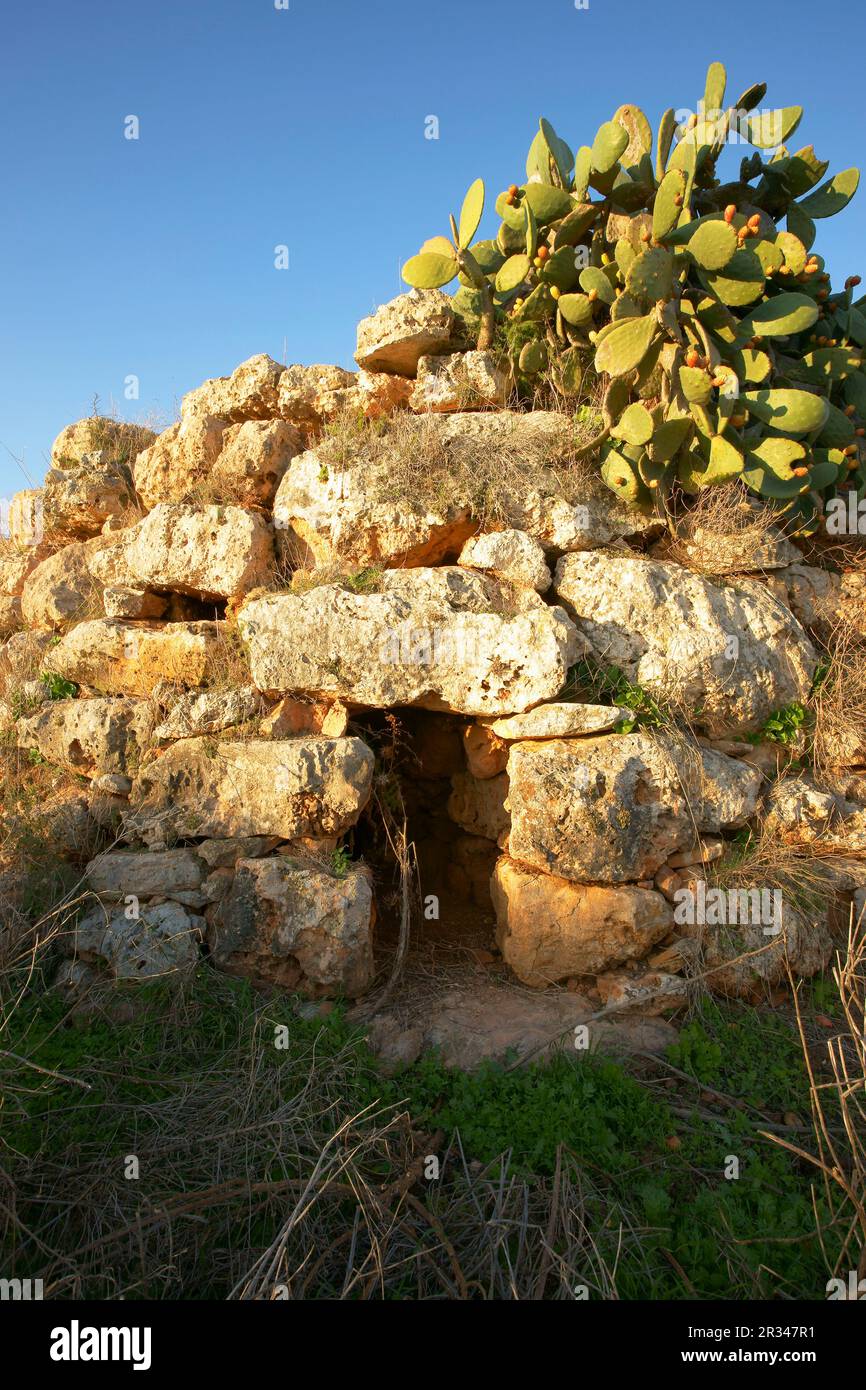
305,127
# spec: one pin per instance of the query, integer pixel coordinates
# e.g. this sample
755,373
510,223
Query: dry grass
222,490
839,702
227,664
805,872
839,1110
807,875
44,838
362,581
724,531
257,1181
846,554
420,460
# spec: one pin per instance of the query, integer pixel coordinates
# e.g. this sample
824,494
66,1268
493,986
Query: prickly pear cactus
723,349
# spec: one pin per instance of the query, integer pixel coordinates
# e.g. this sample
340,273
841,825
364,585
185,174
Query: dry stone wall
206,626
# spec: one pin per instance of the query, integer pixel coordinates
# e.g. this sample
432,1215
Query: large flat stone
291,924
549,928
129,658
89,737
730,653
210,552
204,789
446,638
414,325
612,809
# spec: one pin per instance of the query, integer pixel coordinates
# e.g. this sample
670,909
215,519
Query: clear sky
305,127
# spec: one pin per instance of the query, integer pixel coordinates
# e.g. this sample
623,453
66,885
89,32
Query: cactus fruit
727,350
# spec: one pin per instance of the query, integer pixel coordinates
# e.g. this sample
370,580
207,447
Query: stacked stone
212,698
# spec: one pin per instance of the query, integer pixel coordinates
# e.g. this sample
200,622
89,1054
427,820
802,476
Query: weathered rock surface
254,459
180,460
131,601
513,555
88,737
25,518
162,941
129,658
170,873
824,601
77,501
730,652
250,393
326,515
460,381
119,441
486,754
799,811
106,559
207,712
379,394
288,923
60,589
563,720
650,991
478,804
225,853
742,959
563,526
290,717
549,928
414,325
612,809
211,552
485,1021
289,788
309,396
438,638
16,563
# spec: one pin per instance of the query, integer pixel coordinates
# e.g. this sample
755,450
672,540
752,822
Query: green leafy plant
365,581
341,861
723,349
696,1053
57,687
608,685
783,726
